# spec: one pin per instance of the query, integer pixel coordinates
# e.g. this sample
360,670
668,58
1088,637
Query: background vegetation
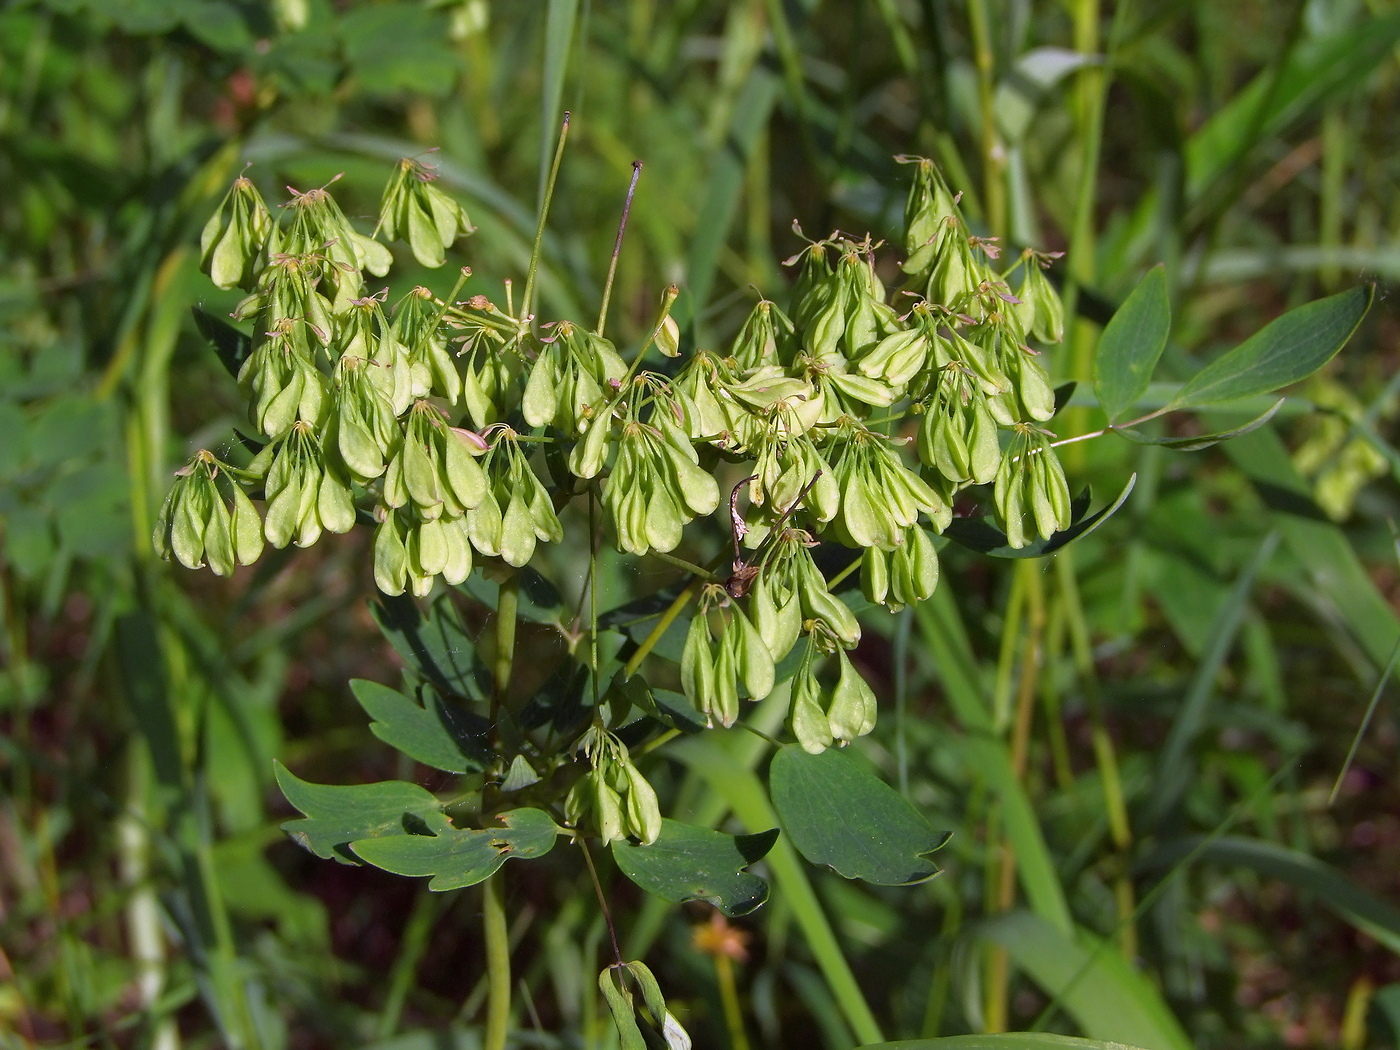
1136,740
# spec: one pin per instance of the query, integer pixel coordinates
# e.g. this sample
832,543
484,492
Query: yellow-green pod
390,557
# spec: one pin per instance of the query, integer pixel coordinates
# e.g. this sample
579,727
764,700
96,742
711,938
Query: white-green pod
432,549
459,551
698,663
187,524
643,811
334,504
247,528
664,524
807,720
461,471
853,706
875,575
724,701
754,660
390,557
517,530
218,538
485,525
540,404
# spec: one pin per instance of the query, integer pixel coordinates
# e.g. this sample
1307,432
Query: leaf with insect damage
457,857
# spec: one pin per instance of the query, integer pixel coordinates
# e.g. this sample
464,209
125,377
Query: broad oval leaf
1289,348
457,857
981,535
689,863
1132,343
1200,441
337,815
839,813
438,735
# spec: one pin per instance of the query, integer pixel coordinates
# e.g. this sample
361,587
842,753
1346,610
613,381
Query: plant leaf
441,735
458,857
1107,998
1289,348
1362,909
837,812
1131,344
232,346
337,815
1200,441
435,647
982,535
689,863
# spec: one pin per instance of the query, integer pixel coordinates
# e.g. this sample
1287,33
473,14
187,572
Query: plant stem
497,938
527,297
617,247
507,603
993,153
667,618
729,999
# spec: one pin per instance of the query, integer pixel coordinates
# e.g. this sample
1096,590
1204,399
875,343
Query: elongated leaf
1363,909
1310,75
688,863
1200,441
439,735
1001,1041
982,535
1107,998
436,647
232,346
1289,348
839,813
457,857
337,815
1132,343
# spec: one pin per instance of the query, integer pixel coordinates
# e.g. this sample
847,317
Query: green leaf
981,535
1104,994
399,47
689,863
837,812
1362,909
1131,344
1000,1041
441,735
338,815
1200,441
1290,348
232,346
436,647
539,599
457,857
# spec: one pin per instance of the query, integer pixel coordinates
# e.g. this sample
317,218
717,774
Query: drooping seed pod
234,243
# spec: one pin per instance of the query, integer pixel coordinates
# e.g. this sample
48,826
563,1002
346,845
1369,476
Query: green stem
617,247
729,999
667,618
497,937
993,153
527,297
507,603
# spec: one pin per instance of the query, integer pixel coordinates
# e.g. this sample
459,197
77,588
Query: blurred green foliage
1198,667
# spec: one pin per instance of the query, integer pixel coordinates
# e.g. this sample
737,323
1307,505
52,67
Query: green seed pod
484,525
753,660
431,547
247,528
723,703
517,531
235,237
818,603
459,551
664,522
540,404
643,811
390,557
875,575
464,476
283,517
807,719
778,625
607,809
853,707
218,536
587,457
698,663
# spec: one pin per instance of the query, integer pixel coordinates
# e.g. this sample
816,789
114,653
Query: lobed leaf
338,815
689,863
457,857
438,734
839,813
